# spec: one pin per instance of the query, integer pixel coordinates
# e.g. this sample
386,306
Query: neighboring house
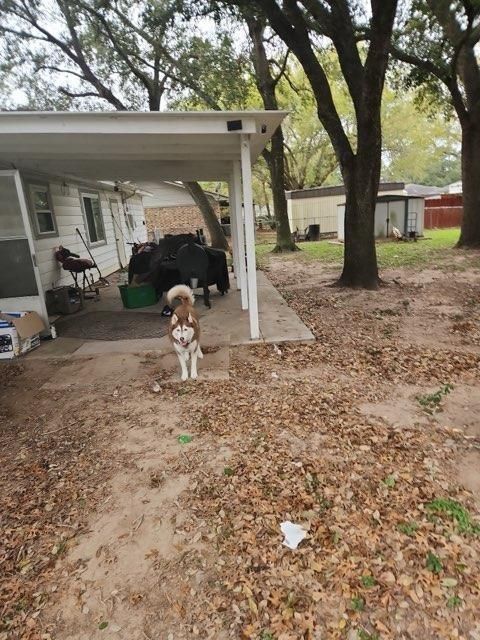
454,187
171,209
320,205
40,212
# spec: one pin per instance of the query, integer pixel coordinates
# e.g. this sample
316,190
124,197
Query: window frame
45,187
91,193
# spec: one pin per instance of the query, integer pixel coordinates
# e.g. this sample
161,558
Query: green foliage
368,581
418,147
357,604
433,563
454,602
458,513
438,247
408,528
364,635
431,402
389,481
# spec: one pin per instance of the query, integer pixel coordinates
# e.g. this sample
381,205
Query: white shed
406,213
319,205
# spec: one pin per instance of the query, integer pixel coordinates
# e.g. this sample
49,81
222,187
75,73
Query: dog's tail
182,292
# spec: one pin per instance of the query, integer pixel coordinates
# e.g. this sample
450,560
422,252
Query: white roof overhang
133,146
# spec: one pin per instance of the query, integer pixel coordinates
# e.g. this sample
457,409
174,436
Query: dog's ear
191,319
174,319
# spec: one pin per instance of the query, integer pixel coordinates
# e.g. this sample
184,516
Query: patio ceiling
140,147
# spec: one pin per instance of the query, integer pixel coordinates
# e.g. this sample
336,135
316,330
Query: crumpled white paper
294,534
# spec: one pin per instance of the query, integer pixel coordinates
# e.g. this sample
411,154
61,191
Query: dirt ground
369,438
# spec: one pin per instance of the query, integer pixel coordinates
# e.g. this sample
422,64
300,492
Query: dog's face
183,330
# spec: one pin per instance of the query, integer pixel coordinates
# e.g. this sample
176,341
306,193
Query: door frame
15,173
118,229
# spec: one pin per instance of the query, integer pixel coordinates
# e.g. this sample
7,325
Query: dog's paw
194,376
184,377
200,353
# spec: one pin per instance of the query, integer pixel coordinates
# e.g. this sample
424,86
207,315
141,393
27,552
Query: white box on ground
19,332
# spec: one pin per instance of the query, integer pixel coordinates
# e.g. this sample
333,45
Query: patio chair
78,266
192,262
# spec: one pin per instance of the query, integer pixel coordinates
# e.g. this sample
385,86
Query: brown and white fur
184,330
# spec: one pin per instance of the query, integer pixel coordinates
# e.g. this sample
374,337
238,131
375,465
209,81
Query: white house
41,211
319,204
77,151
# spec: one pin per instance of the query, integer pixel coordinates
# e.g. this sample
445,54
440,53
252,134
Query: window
42,210
93,217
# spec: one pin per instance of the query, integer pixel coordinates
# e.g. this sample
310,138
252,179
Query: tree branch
276,79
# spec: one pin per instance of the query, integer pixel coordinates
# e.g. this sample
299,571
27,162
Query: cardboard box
19,332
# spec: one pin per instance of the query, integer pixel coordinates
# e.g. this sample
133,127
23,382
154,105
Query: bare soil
113,529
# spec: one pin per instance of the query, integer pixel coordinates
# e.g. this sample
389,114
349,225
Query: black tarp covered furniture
159,266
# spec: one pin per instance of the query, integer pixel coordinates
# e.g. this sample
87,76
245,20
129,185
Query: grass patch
433,563
446,506
389,481
408,528
430,402
454,602
357,604
368,581
390,254
364,635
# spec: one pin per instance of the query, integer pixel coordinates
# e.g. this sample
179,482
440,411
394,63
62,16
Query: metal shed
406,213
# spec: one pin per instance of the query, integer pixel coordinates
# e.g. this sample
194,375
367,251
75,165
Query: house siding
69,216
168,195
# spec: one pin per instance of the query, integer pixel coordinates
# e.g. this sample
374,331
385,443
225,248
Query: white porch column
249,236
242,270
233,229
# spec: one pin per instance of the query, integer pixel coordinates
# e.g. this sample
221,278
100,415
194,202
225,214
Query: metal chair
192,262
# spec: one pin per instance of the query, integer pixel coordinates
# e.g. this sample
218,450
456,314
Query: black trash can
313,232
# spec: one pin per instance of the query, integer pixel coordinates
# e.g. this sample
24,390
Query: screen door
17,273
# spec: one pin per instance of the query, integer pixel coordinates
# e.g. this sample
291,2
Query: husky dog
184,330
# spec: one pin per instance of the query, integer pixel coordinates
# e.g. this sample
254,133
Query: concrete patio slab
224,323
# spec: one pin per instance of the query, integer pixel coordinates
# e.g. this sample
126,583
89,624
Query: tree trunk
470,231
275,161
275,157
361,176
217,236
360,260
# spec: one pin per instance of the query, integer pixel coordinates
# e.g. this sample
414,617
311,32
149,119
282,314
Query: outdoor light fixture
234,125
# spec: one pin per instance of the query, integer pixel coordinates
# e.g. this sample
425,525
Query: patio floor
224,324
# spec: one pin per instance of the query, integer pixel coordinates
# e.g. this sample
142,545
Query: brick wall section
443,212
181,219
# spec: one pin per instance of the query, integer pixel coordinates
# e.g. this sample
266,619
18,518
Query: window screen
42,210
93,215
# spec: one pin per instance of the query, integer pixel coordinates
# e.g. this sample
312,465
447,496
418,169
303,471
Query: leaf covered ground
332,435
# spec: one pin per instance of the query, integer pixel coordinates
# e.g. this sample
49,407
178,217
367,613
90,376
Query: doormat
113,325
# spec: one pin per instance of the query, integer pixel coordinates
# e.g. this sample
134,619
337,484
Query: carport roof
136,146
